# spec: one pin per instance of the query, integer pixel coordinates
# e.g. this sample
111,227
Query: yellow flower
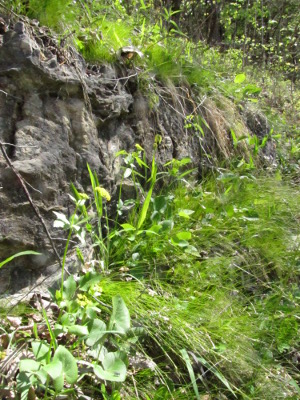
83,196
103,193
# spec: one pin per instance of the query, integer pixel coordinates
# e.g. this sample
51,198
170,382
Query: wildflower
83,300
103,193
83,196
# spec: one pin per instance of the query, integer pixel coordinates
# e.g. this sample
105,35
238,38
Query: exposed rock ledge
58,116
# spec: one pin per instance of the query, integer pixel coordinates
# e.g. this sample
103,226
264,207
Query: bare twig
15,145
35,208
122,78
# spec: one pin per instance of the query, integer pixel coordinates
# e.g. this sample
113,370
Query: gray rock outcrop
57,115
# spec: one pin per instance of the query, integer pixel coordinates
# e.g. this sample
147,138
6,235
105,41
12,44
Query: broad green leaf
54,369
41,375
40,350
185,213
184,235
120,318
88,280
23,385
180,243
58,383
154,229
22,253
191,250
167,225
69,288
29,365
239,78
69,365
113,370
61,220
251,89
128,227
68,319
160,203
98,352
78,330
120,354
92,312
96,332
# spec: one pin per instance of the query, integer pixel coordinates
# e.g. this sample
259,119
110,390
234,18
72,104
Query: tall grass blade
22,253
144,209
187,360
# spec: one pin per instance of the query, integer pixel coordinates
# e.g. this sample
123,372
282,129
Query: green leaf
185,213
187,360
180,243
128,227
41,375
69,288
120,318
121,153
184,235
113,370
40,350
191,250
251,89
61,221
96,332
239,78
167,224
22,253
58,383
69,365
54,369
98,352
23,385
154,229
29,365
160,204
144,209
88,280
78,330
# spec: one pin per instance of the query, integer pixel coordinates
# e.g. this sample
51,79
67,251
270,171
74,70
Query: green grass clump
227,294
103,38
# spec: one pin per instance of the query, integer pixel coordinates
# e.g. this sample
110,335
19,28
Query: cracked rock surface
55,117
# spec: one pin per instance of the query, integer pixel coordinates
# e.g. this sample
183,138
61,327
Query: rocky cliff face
56,115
